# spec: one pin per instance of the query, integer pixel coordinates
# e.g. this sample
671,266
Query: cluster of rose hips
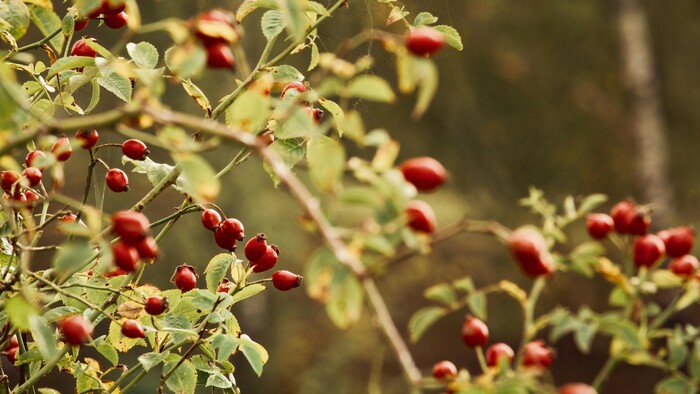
475,334
18,187
426,174
216,30
627,218
261,256
296,88
135,242
114,16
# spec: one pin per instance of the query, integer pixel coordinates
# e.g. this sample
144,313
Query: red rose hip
116,21
599,225
109,9
185,278
684,266
268,260
219,55
80,48
156,305
8,180
424,41
135,149
87,138
76,330
285,280
32,175
648,249
678,241
147,248
420,216
125,256
536,354
474,332
256,247
211,219
444,370
294,88
497,352
62,149
530,250
425,173
619,214
117,180
576,388
31,159
133,329
131,226
232,228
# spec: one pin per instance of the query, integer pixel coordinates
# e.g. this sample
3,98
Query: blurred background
566,96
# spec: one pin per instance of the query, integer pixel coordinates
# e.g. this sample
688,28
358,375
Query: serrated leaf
442,293
477,304
272,24
198,179
71,257
43,335
295,18
144,54
186,61
117,85
424,18
155,172
225,344
70,63
216,270
150,360
16,14
108,351
250,112
451,35
336,112
183,380
291,151
217,379
591,202
20,311
423,319
47,22
371,87
254,352
248,292
326,158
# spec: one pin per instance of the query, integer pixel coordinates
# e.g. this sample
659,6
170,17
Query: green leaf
427,75
144,54
336,112
315,56
294,16
625,330
424,18
68,25
20,312
371,87
562,323
691,295
71,257
291,151
186,61
423,319
694,362
477,304
217,379
452,37
16,14
590,203
47,22
397,13
178,324
285,74
150,360
70,63
217,268
345,301
584,335
155,172
225,344
272,24
86,6
248,292
197,94
677,349
442,293
256,354
249,112
198,179
108,351
116,84
184,379
465,284
326,158
676,385
249,6
666,279
43,335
